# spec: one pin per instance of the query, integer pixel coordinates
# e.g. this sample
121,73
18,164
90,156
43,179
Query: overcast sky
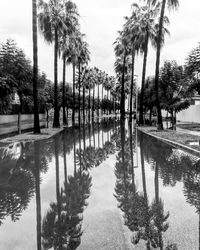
100,21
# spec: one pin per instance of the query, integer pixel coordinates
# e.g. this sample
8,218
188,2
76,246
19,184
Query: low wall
9,123
14,118
192,114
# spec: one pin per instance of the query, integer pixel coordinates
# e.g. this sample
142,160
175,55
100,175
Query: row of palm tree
146,24
59,24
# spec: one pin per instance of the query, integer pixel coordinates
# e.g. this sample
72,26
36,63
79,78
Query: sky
100,20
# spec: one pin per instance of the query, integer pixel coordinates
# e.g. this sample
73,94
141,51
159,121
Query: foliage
173,87
192,69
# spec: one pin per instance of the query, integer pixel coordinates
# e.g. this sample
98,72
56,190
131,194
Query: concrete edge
172,143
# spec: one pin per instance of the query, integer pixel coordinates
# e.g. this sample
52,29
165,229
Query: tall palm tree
83,59
54,21
122,51
35,68
93,99
98,81
73,59
147,33
172,4
133,33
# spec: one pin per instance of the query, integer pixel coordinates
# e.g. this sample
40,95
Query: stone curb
175,144
26,137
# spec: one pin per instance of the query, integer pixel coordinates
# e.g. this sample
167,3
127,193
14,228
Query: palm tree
83,59
98,81
93,99
73,59
54,22
35,69
147,33
132,29
121,52
172,4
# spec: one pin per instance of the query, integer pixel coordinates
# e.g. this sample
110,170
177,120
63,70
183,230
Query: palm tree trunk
93,101
93,131
63,90
141,118
89,104
64,158
102,138
107,100
89,135
79,92
159,114
132,84
56,122
35,69
98,133
102,99
80,155
84,140
73,110
150,115
74,151
122,109
83,102
19,122
98,101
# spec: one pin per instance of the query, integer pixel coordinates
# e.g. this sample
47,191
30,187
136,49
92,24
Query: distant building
195,100
192,114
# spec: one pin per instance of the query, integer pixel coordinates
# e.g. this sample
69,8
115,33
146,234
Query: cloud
100,21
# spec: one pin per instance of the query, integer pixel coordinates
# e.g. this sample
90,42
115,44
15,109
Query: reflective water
103,186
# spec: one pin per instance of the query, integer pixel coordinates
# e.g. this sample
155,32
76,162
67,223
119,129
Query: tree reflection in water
61,227
173,165
147,221
18,177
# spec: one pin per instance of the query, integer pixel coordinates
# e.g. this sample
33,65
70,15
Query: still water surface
103,186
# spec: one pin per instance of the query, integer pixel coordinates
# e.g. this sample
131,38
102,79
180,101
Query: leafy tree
15,74
192,70
174,88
